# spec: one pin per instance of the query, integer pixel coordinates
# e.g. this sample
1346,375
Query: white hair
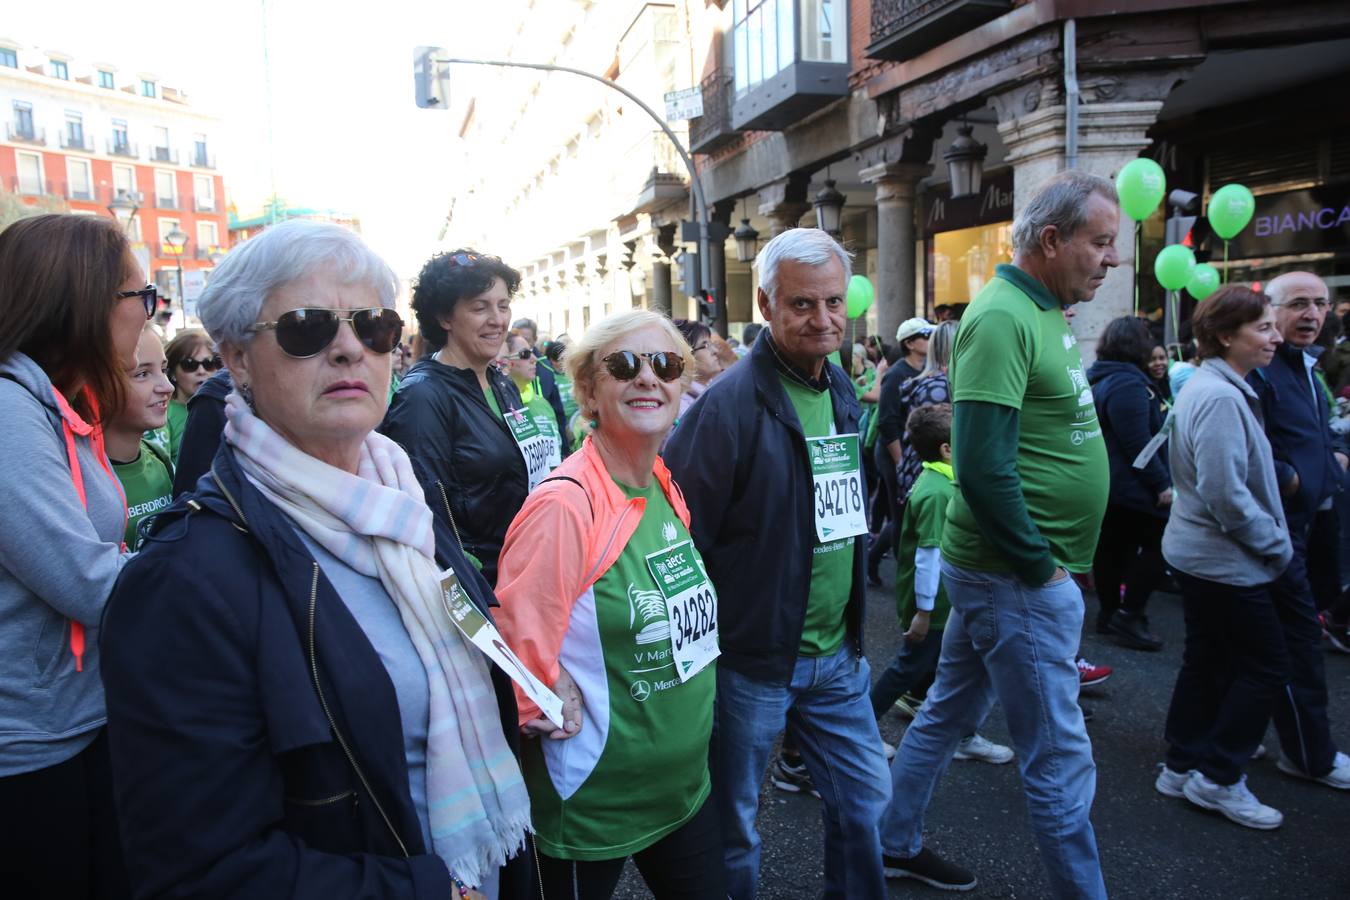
1061,202
281,255
1280,285
810,246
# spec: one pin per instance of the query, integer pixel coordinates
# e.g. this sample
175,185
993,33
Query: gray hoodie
57,563
1227,523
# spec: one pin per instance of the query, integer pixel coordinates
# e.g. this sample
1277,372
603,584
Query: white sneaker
978,748
1338,777
1234,801
1170,783
888,749
1260,752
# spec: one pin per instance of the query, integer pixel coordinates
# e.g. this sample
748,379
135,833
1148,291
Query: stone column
1112,130
895,186
660,298
783,203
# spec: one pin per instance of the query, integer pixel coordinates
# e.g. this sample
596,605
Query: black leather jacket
465,457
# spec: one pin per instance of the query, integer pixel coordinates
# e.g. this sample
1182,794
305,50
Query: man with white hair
770,465
1310,468
1032,483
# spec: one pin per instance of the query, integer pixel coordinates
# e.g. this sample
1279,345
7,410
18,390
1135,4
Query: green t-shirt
492,403
921,526
544,419
824,630
1015,349
564,390
642,766
148,483
176,423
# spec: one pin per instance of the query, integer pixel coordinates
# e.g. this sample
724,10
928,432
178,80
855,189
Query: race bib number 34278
840,497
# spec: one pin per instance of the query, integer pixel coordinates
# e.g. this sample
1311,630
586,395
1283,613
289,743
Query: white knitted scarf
378,523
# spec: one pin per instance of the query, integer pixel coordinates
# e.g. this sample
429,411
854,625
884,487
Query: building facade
88,135
805,98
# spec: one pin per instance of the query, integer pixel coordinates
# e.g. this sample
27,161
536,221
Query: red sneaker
1088,674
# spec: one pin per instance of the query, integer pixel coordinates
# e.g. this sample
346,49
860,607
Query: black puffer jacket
465,457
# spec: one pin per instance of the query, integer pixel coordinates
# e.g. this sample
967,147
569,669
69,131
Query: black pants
685,864
58,831
1324,558
1301,709
1129,552
1232,671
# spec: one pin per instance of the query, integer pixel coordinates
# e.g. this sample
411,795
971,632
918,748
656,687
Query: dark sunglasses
306,332
210,365
149,296
521,355
624,365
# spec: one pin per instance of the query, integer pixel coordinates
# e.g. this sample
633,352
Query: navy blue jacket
242,699
201,435
1131,413
1298,424
739,456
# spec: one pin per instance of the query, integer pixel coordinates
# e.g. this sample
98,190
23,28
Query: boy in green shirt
142,468
919,595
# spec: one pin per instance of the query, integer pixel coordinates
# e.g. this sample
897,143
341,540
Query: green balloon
1174,267
859,297
1230,209
1204,281
1141,186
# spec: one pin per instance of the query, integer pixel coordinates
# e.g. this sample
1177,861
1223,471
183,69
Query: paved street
1152,847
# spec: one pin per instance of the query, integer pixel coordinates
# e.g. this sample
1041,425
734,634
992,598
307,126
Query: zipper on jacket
229,498
296,801
445,498
332,723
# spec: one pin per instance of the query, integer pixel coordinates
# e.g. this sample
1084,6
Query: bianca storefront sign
1315,220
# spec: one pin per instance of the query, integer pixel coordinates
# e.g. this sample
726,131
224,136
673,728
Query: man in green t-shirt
770,465
1032,483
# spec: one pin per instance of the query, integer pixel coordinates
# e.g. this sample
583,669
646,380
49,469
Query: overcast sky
344,132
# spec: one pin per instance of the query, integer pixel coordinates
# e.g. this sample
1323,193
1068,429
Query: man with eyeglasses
1310,465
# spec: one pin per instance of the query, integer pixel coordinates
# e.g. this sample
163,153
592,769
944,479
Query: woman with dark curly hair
474,448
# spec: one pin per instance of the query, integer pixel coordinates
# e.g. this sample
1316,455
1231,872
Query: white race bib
840,498
537,448
691,605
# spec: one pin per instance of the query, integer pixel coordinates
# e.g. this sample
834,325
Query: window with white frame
200,157
121,137
105,79
204,192
165,226
74,130
166,194
78,177
60,70
208,236
763,34
160,152
30,172
824,30
124,180
23,120
147,88
9,58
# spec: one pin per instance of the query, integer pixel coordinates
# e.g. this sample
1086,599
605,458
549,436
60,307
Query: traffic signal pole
696,187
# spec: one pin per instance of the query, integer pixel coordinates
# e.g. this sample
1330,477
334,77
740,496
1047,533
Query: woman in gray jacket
74,301
1227,541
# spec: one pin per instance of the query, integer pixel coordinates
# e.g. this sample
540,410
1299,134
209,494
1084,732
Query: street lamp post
695,186
178,241
124,208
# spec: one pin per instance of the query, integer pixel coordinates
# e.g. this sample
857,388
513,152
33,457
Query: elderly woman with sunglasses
73,303
293,712
604,594
474,449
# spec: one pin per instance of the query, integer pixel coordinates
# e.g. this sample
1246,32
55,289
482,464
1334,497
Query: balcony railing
162,202
202,160
78,141
651,174
712,130
24,186
902,29
164,154
204,204
123,148
20,135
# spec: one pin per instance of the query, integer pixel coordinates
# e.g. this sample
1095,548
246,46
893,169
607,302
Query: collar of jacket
503,388
1226,372
764,364
1300,358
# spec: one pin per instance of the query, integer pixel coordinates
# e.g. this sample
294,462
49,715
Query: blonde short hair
582,357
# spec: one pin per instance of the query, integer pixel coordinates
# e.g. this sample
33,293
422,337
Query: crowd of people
248,573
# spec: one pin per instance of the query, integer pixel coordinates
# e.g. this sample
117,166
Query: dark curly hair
446,279
1126,340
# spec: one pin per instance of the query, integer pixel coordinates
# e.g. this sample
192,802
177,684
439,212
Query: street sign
685,104
194,283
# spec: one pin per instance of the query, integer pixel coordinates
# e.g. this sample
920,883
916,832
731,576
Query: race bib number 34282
840,500
691,605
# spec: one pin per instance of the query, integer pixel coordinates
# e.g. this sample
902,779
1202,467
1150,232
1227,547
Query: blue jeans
826,702
1014,643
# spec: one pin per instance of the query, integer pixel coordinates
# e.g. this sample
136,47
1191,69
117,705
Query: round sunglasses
210,365
624,365
306,332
